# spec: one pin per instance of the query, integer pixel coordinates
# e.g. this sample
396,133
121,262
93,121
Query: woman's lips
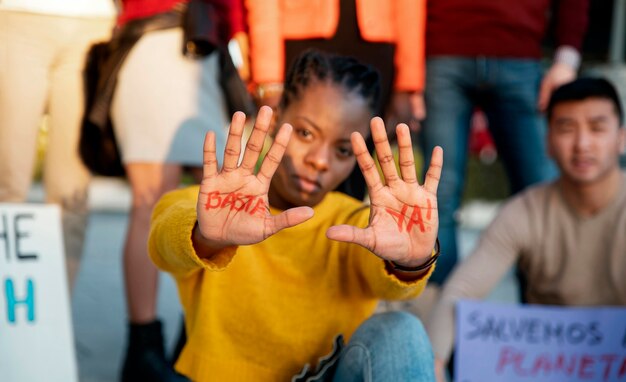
307,185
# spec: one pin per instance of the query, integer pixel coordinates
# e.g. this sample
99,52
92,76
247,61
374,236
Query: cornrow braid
314,65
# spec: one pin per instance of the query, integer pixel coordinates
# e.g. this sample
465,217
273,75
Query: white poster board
36,340
506,342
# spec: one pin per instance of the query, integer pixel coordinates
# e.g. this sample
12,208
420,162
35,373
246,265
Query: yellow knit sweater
261,312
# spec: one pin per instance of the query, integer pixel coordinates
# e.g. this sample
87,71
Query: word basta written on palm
233,206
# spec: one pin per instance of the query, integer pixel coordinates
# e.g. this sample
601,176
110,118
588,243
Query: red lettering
622,369
542,362
416,218
560,364
248,202
239,203
608,358
260,206
236,201
585,362
509,356
213,200
399,215
577,366
231,198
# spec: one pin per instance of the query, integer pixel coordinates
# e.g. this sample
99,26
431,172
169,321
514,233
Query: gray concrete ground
98,310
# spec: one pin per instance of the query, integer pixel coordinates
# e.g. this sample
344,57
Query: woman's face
319,155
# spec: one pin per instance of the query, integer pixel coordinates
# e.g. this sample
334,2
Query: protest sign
500,342
36,341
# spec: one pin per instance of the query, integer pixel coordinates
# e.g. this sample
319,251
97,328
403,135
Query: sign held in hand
500,342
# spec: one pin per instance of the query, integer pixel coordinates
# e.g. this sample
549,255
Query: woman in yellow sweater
274,269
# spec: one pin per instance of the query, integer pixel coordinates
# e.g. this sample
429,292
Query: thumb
286,219
351,234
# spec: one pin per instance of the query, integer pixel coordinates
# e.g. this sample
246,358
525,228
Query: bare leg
149,181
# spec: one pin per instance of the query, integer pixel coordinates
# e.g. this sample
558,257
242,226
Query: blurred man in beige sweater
567,237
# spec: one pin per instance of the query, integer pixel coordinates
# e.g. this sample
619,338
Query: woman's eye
304,133
344,152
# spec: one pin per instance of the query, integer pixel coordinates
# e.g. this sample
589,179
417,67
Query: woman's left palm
403,220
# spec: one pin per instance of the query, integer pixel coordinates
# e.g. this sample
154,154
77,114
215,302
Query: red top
501,28
231,10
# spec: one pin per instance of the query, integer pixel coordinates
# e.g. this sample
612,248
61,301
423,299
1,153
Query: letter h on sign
13,302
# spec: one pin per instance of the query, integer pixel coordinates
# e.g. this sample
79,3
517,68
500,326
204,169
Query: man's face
319,155
585,139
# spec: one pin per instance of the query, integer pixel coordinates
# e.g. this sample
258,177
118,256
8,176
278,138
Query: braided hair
352,75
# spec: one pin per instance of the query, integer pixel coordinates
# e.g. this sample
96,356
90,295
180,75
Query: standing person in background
43,46
388,35
164,104
487,54
566,236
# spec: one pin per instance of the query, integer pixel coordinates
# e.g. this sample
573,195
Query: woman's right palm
233,207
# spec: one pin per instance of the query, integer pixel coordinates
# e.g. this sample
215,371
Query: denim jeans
390,346
507,91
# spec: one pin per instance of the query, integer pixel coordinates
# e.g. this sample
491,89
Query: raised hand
403,220
233,207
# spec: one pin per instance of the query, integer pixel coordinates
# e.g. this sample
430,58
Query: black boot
145,357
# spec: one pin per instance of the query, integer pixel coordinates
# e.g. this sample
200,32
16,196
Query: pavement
98,307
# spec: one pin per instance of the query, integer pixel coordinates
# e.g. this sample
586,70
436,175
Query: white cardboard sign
36,340
505,342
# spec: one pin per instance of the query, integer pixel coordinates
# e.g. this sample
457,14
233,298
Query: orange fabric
400,21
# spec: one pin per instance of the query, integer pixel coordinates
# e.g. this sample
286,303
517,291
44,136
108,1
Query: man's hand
557,75
403,220
241,38
440,370
233,207
406,107
269,94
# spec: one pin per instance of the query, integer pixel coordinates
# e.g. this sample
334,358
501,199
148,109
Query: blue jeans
390,346
507,91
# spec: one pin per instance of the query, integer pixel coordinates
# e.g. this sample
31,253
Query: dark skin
222,227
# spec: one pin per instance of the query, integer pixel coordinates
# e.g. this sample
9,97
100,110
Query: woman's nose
319,157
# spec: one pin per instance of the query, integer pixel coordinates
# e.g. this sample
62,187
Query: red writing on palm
232,204
235,201
415,218
400,199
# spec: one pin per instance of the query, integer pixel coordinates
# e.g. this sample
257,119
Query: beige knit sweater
566,259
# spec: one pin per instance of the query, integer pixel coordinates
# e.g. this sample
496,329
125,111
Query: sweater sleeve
372,273
384,285
170,246
572,19
410,22
496,253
